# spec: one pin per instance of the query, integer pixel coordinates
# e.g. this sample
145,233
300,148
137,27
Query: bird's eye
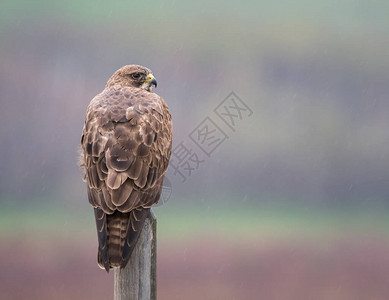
136,75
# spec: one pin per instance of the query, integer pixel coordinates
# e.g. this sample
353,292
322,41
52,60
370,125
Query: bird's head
133,76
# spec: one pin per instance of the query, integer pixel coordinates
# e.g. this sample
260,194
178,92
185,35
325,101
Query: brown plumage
126,146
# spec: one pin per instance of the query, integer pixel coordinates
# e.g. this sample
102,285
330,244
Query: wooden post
137,281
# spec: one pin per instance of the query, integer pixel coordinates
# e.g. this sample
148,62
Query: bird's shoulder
130,120
116,98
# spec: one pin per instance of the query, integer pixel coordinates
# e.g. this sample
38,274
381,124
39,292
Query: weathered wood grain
137,281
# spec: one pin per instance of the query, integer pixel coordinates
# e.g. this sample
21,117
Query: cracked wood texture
137,281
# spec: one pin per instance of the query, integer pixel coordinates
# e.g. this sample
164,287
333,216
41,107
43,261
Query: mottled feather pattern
121,139
126,144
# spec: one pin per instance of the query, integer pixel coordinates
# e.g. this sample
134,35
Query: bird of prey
126,146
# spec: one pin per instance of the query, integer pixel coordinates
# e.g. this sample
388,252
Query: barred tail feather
118,234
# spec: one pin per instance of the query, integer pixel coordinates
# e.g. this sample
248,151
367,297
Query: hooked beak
151,80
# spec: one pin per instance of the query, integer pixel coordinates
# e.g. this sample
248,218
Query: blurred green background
293,205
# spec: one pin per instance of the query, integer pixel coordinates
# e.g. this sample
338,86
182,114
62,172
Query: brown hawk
126,145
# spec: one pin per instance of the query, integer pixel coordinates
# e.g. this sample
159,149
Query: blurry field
315,75
212,253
